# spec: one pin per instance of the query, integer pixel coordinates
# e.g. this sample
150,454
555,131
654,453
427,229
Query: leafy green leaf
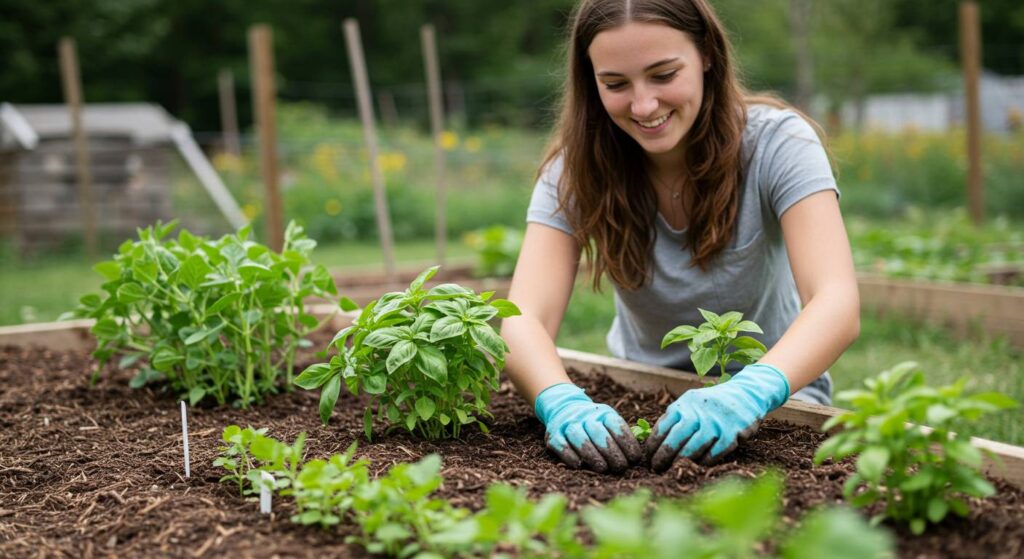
402,353
425,407
872,463
446,327
431,362
505,308
703,360
329,397
314,376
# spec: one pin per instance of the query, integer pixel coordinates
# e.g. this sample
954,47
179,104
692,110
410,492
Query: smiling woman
687,193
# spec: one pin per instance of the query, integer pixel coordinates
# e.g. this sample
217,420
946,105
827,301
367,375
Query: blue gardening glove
706,424
582,433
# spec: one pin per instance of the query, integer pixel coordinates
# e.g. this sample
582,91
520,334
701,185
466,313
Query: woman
686,193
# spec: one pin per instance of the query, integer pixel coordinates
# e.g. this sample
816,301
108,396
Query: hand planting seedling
641,430
217,319
428,359
920,473
709,343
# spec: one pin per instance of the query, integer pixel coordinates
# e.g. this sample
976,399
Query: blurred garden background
883,76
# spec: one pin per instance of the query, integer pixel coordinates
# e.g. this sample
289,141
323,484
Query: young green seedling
920,473
709,343
641,430
429,360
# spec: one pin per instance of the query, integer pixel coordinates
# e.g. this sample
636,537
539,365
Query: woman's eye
614,85
666,76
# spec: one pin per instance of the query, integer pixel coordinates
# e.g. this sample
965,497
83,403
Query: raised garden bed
998,310
92,471
365,286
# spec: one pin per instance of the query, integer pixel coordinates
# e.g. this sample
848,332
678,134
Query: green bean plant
218,319
920,473
428,359
709,342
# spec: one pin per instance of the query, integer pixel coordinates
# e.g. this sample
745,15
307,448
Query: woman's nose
644,105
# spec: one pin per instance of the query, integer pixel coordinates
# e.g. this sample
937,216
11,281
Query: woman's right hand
585,434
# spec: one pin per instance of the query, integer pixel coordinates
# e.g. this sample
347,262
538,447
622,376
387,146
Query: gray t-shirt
786,162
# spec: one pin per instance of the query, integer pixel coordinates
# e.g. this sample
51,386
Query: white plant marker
265,492
184,438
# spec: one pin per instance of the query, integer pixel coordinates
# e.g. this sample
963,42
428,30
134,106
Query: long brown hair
605,192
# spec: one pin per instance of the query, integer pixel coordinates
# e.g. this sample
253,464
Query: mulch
96,471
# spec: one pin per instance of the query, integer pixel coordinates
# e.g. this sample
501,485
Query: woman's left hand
706,424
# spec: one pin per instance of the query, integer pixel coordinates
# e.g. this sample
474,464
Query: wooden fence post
72,82
261,56
970,60
433,69
228,112
362,83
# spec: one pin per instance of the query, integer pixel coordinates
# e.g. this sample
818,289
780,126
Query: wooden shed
133,151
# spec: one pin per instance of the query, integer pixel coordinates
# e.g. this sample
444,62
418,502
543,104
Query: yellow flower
250,211
228,163
332,206
323,159
473,144
392,161
449,140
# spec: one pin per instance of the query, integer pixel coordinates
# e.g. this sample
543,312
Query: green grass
40,290
990,364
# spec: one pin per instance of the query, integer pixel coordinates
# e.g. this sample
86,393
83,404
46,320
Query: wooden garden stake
358,65
266,492
72,82
228,112
261,57
436,128
970,61
184,438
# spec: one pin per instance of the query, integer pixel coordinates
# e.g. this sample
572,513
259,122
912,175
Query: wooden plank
74,335
357,63
1007,464
372,276
999,310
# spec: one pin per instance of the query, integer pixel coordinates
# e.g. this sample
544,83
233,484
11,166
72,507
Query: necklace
675,195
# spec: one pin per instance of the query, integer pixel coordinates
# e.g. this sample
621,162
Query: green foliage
322,490
429,360
931,246
517,525
729,519
709,343
497,249
920,473
396,514
641,430
217,319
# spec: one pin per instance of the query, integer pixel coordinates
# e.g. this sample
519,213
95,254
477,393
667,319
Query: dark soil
97,471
